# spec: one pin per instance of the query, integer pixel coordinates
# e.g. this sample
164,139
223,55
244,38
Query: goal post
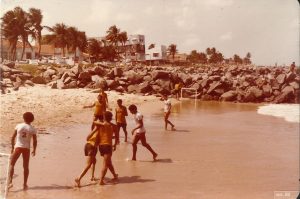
192,93
4,175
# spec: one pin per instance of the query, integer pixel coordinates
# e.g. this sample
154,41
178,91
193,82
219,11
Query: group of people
101,137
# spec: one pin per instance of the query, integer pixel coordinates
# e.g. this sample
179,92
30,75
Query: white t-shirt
24,134
167,106
138,117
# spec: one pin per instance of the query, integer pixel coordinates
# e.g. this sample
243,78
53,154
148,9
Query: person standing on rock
100,108
22,135
121,113
167,112
139,133
292,67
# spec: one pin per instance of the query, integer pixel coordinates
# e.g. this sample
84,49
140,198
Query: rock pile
226,83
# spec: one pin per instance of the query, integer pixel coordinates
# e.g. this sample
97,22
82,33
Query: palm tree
16,26
172,50
59,37
123,38
113,35
35,19
94,48
76,39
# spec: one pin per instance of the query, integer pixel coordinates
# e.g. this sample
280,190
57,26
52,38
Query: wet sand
220,150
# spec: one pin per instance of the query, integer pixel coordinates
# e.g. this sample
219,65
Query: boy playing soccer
121,113
139,133
22,135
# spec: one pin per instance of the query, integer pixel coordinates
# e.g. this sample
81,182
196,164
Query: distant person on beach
121,113
104,97
292,67
100,109
90,150
177,90
106,132
139,132
167,112
22,135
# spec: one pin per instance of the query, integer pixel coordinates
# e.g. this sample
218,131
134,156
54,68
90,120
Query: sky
268,29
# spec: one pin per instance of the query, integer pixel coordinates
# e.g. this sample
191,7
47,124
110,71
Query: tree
237,59
16,26
35,19
113,35
59,37
123,38
77,39
94,48
196,57
247,59
172,50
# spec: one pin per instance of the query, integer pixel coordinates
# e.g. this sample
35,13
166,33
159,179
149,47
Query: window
155,54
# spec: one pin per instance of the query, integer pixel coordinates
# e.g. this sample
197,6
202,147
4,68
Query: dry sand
220,150
53,107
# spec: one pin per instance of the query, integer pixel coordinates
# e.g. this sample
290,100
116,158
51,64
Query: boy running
100,108
23,134
121,113
139,133
106,132
167,112
90,150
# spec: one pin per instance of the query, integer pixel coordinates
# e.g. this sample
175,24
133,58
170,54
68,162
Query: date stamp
286,194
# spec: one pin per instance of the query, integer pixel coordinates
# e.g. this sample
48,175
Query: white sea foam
290,112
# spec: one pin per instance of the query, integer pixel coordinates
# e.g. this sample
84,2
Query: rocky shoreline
236,83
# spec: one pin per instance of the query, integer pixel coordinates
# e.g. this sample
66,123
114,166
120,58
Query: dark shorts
90,150
121,125
98,117
105,149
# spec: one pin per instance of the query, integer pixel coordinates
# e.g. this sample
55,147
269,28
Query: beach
219,150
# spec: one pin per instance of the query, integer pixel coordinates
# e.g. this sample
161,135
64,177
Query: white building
156,55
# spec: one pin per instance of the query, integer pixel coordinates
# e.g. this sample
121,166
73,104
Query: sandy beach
220,150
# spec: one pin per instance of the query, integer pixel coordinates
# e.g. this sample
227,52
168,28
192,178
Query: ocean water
290,112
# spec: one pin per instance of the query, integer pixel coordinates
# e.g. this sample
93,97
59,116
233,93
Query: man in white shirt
139,132
23,134
167,112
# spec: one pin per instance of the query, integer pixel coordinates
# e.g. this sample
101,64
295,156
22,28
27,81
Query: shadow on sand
133,179
182,131
49,187
166,160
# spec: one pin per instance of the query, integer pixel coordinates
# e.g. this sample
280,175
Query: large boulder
118,72
39,80
133,77
85,77
159,74
76,70
213,86
287,95
144,88
164,84
294,84
229,96
112,84
281,78
290,77
267,90
185,78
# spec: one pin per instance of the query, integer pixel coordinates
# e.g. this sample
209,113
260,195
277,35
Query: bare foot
173,128
77,181
93,179
9,186
101,182
154,156
116,177
25,187
133,159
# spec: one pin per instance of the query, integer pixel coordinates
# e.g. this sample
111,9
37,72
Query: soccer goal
191,93
4,172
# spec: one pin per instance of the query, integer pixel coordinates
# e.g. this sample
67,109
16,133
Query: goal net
190,93
4,169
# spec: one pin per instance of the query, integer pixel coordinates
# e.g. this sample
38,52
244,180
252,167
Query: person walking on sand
22,135
106,132
90,150
121,113
139,133
167,112
100,109
104,97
